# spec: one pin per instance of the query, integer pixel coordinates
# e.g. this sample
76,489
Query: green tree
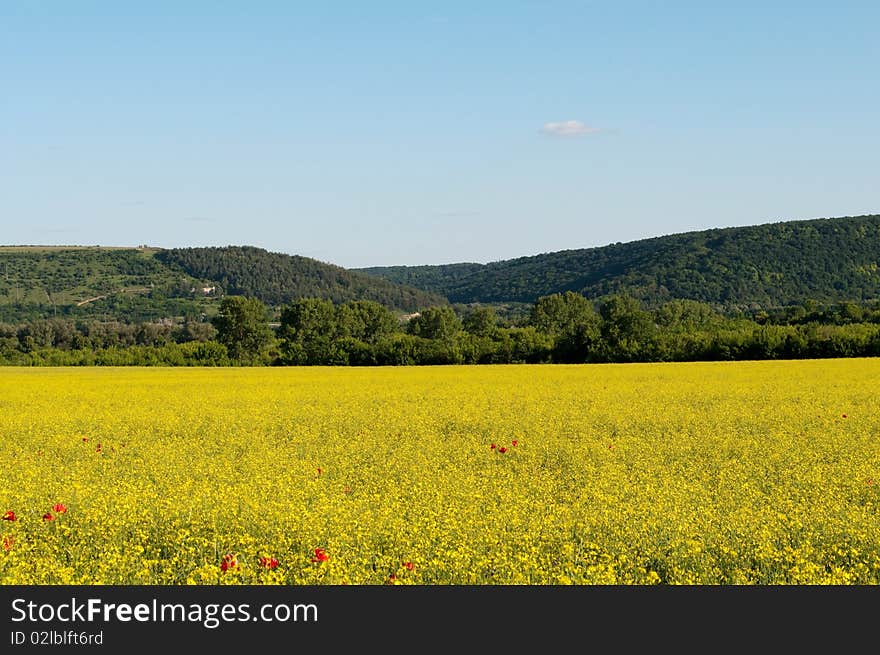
686,315
242,327
364,320
561,313
435,323
397,350
308,332
474,349
850,312
481,322
196,331
571,321
308,320
626,328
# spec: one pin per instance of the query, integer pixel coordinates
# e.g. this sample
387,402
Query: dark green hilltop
733,269
824,260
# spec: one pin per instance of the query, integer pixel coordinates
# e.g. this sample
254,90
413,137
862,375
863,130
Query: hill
826,260
124,283
277,278
141,284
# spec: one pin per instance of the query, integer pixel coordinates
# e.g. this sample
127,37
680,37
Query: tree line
563,328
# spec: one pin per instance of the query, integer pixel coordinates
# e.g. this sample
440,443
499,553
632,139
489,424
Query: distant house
204,290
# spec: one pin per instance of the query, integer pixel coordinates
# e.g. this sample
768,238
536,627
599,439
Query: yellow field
659,473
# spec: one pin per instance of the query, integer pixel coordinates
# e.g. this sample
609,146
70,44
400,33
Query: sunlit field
707,473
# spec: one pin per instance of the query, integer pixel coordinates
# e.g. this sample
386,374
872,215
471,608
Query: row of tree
563,327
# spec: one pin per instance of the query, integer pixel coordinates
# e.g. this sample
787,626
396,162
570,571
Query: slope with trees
276,278
772,265
144,284
93,282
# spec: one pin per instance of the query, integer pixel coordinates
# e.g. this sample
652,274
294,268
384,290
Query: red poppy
347,490
320,471
8,543
843,416
228,562
9,516
48,516
269,563
85,439
502,450
409,566
59,508
98,448
492,447
514,443
320,555
392,579
870,480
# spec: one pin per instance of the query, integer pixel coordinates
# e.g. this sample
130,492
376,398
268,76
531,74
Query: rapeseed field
694,473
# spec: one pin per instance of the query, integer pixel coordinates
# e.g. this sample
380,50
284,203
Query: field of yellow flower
709,473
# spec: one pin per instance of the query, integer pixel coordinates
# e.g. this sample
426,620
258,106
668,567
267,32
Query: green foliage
436,323
276,278
172,354
571,321
667,299
773,265
143,285
92,283
308,319
242,327
686,315
314,331
480,321
397,350
626,329
528,346
563,313
364,320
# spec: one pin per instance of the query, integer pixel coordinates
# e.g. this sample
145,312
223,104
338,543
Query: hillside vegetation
822,260
276,278
130,284
142,284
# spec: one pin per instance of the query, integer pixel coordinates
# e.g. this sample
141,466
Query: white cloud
568,128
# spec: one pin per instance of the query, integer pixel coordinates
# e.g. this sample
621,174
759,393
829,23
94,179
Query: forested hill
826,260
276,278
146,284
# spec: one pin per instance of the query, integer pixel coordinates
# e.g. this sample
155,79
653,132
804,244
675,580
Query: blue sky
430,132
